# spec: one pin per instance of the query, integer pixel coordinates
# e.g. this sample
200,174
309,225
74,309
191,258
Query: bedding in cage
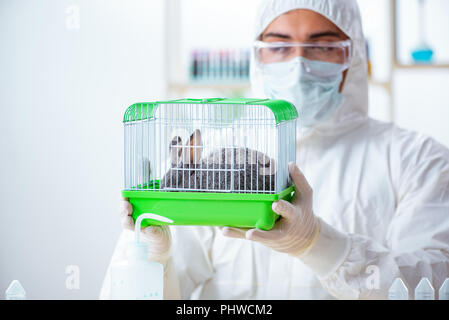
215,162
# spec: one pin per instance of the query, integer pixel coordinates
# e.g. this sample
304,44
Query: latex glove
158,238
297,228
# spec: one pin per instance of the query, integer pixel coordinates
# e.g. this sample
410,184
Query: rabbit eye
175,141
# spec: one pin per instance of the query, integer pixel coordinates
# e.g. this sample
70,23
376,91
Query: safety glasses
336,53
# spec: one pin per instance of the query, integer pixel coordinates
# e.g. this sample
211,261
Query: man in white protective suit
379,209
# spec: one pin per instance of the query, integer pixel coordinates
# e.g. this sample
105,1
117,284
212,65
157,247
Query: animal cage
217,162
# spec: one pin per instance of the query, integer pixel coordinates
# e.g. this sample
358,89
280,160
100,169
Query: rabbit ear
195,147
267,166
175,150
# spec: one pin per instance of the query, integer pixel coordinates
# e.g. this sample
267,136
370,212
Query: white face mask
301,82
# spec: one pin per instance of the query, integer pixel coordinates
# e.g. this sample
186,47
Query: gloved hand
298,227
158,238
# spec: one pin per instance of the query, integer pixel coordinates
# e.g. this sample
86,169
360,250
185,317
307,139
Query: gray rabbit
225,169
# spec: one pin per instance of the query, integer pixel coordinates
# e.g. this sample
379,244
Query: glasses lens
283,52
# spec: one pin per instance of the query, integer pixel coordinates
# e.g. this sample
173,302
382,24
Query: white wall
422,102
64,86
379,38
376,27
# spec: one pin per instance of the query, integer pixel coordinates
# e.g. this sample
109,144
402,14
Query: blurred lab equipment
443,293
398,290
221,65
422,54
424,290
369,59
137,278
15,291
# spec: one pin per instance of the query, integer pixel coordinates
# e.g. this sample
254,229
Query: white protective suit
383,194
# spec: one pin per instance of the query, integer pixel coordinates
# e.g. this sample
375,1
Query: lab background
69,69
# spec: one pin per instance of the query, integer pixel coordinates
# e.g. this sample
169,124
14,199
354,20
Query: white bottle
424,290
137,278
443,293
15,291
398,290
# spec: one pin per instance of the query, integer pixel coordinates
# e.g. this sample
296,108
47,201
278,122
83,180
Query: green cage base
239,210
